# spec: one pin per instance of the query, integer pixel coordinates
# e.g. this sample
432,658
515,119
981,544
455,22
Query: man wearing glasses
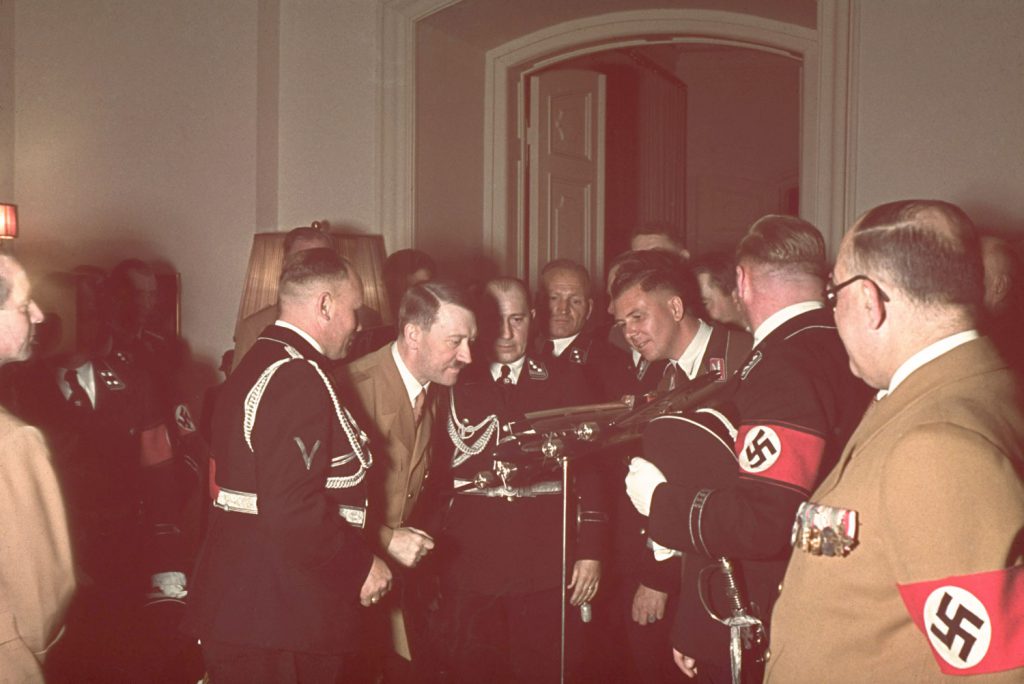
926,577
794,406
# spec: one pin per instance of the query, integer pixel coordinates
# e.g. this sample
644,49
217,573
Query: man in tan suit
908,563
395,399
36,574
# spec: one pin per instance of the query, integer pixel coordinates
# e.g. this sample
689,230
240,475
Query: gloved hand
641,481
663,553
168,585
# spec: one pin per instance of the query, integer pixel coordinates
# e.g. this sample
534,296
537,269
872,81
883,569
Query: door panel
566,139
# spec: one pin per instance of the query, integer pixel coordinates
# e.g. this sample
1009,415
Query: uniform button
780,587
409,495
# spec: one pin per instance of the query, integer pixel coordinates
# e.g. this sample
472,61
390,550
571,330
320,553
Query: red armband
973,622
777,452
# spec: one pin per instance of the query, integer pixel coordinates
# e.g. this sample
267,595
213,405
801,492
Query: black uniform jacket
287,577
726,351
602,362
498,546
794,406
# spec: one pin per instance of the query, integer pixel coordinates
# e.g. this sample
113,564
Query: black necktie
673,379
549,350
506,375
78,396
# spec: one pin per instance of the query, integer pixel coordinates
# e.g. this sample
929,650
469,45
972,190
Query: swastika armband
972,622
777,452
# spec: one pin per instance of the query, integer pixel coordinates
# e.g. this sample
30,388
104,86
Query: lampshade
8,220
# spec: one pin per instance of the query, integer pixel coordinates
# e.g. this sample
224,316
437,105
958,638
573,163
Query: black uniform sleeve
785,408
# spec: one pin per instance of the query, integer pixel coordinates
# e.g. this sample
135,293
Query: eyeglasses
832,290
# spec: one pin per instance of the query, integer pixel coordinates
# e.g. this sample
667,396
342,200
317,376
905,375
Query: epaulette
154,335
110,379
536,369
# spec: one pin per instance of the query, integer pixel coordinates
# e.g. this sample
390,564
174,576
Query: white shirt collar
412,385
515,368
689,362
301,333
86,378
562,343
770,324
926,355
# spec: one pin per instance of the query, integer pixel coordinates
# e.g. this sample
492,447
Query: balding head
908,274
18,313
927,249
306,237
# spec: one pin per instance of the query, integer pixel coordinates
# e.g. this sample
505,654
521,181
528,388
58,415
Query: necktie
78,396
417,407
506,375
673,379
549,350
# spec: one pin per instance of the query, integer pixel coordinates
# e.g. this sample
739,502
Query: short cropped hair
785,244
508,284
656,269
929,249
572,267
720,268
420,303
306,233
310,266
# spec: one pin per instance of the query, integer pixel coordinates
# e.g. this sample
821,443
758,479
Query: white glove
641,481
663,553
168,585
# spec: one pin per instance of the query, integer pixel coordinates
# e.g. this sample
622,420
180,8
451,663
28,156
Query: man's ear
590,309
742,283
874,307
676,306
325,306
412,334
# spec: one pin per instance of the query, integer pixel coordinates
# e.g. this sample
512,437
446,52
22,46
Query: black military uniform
603,363
502,546
122,510
633,563
795,404
284,558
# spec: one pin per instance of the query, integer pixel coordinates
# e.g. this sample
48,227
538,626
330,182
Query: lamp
8,221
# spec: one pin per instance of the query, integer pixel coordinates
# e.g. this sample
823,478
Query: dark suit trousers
233,664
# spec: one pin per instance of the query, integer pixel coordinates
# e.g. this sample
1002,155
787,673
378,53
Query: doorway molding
827,106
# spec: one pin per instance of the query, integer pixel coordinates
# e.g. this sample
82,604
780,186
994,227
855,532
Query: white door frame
827,101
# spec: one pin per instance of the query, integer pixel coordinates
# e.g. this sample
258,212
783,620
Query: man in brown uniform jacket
36,574
396,395
908,562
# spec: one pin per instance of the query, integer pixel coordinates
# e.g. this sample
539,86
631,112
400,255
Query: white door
566,169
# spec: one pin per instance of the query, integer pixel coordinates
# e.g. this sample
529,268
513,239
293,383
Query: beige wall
941,106
173,131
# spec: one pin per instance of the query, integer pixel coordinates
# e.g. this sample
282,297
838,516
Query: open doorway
699,140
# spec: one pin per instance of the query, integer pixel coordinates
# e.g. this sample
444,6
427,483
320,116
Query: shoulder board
536,369
809,327
110,379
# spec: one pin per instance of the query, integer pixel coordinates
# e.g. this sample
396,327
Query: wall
743,144
940,103
173,131
6,101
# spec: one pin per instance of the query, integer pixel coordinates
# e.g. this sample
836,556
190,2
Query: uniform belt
245,502
529,491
